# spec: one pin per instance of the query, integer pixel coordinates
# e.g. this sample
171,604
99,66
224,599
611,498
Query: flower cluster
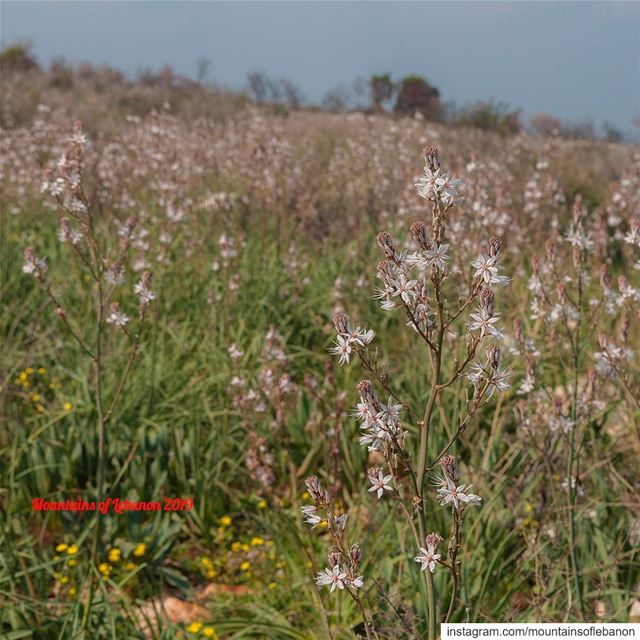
379,423
449,491
428,556
349,338
342,572
343,564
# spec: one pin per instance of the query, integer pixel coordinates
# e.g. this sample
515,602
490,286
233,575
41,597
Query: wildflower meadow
282,373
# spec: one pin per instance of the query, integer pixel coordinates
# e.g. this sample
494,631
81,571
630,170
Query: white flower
579,239
331,577
114,276
33,266
143,292
447,186
356,582
633,236
390,413
404,288
484,321
427,558
437,256
485,267
426,185
234,351
361,336
341,521
310,515
343,349
476,374
117,318
499,381
457,495
433,182
379,482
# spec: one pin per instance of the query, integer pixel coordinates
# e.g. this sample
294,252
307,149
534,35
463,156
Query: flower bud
367,392
493,355
487,297
419,233
433,541
494,246
431,157
315,490
386,244
450,468
605,277
341,323
355,555
334,557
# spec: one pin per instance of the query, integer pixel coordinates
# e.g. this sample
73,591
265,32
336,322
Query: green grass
176,433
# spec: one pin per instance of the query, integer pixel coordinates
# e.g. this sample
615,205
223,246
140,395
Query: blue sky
572,59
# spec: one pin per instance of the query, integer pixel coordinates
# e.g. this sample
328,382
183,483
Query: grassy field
257,227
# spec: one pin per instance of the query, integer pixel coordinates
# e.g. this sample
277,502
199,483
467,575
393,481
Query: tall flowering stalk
579,310
433,298
101,253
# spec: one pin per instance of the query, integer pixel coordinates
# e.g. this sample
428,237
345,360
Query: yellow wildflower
210,632
272,585
105,568
67,406
194,627
257,541
262,504
225,521
130,566
114,554
61,547
245,547
29,370
72,591
72,550
42,371
236,547
245,566
140,549
72,563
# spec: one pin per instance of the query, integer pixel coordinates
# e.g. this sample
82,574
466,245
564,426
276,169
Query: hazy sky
572,59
